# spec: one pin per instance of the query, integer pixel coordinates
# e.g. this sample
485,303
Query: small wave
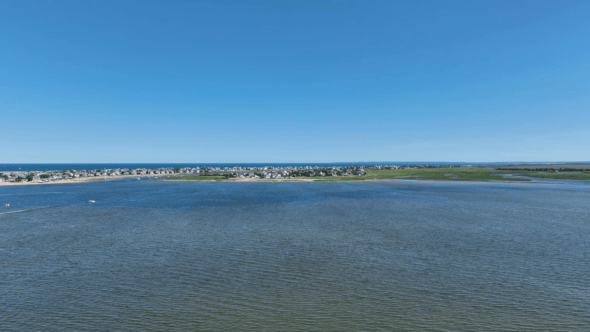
25,210
14,211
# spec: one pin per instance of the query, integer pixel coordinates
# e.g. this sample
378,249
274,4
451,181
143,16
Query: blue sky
294,81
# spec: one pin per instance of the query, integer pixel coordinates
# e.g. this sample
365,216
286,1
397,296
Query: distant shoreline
79,180
373,173
87,180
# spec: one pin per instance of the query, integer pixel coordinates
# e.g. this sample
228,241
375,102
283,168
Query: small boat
138,178
7,205
91,201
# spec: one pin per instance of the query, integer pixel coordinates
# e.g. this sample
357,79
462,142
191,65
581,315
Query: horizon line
293,162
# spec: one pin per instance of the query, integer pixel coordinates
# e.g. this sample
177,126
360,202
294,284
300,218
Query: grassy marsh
565,176
435,174
439,174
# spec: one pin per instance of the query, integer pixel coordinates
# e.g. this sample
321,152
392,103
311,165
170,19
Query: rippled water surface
362,256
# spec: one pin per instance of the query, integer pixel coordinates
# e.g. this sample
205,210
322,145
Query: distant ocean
63,167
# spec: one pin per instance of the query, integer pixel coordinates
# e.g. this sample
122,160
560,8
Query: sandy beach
78,180
106,178
250,180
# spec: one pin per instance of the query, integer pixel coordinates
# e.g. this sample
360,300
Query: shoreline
80,180
150,176
244,180
70,181
329,181
502,177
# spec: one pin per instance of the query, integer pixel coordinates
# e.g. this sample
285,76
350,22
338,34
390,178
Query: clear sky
294,81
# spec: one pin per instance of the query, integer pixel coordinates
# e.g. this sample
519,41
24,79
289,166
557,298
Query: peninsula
305,173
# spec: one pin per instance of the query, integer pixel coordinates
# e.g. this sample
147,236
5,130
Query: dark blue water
63,167
362,256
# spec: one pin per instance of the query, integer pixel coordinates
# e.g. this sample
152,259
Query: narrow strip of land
437,174
307,174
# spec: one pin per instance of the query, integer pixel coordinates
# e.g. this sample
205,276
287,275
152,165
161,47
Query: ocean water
358,256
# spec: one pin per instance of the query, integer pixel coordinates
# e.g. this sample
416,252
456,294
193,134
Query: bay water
342,256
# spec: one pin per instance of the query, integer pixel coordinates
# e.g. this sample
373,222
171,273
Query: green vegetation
574,172
446,174
571,176
546,168
194,178
436,174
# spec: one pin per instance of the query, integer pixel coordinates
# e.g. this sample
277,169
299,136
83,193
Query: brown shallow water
378,256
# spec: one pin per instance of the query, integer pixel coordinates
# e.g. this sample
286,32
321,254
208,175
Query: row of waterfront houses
49,176
266,172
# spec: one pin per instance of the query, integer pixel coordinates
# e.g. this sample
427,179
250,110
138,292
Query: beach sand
78,180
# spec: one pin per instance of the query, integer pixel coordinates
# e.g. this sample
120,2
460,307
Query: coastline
463,174
338,180
80,180
242,180
179,178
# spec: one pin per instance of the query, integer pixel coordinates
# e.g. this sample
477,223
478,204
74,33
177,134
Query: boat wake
25,210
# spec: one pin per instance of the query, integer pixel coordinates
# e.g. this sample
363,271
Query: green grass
571,176
194,178
438,174
580,167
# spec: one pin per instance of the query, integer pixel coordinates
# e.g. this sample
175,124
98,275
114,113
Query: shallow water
361,256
